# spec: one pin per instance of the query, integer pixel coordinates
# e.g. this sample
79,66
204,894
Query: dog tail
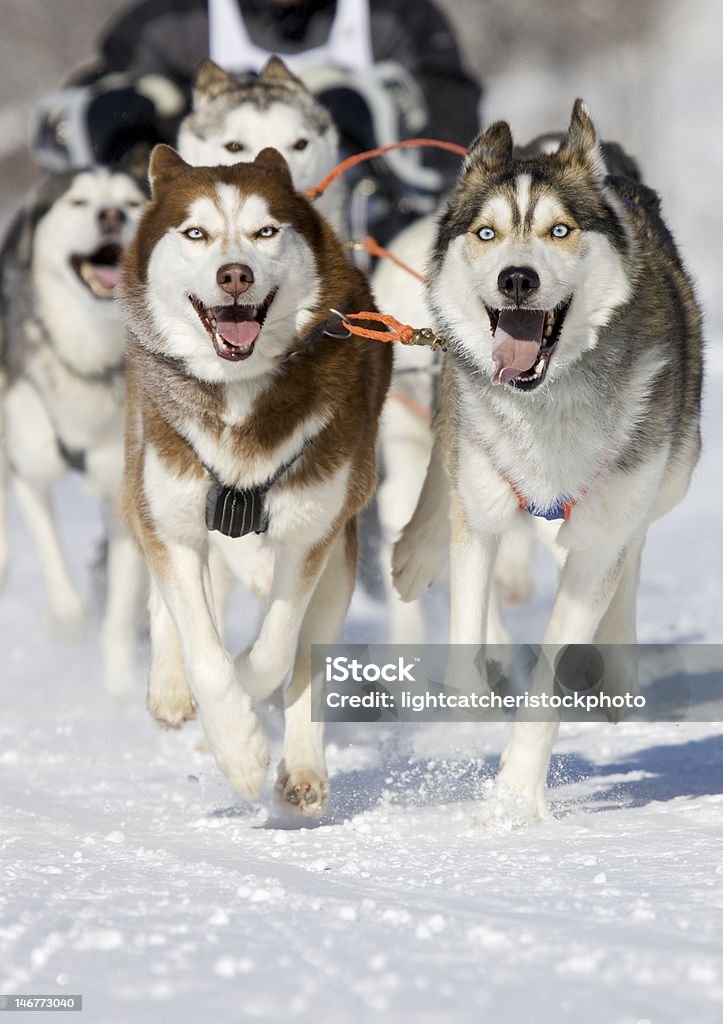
420,554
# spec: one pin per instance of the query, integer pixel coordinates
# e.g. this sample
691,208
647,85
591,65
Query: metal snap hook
331,334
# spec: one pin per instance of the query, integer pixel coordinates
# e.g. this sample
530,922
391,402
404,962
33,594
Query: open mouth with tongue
523,341
234,328
99,270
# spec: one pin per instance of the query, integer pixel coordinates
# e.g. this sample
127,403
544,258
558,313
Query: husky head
234,118
85,223
531,256
223,272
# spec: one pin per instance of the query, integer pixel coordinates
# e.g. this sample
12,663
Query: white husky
63,363
235,117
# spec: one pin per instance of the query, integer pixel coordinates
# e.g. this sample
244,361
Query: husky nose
518,282
235,278
111,219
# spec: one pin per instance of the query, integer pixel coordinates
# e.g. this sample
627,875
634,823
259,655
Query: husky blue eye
560,230
267,232
486,234
194,234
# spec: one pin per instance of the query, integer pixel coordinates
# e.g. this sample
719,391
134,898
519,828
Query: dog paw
303,790
171,706
239,744
68,619
415,566
507,809
246,770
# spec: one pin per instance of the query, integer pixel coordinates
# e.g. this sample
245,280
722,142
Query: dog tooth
548,331
539,367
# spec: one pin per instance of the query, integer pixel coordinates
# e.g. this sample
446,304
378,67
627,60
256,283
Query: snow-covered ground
133,874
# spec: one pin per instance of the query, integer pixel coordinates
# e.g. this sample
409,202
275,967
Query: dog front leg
297,569
126,578
617,634
232,729
169,698
406,442
513,570
587,586
420,553
471,565
302,779
66,605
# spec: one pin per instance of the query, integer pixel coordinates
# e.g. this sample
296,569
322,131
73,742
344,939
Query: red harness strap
358,158
409,403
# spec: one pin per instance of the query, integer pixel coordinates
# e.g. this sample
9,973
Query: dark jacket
171,36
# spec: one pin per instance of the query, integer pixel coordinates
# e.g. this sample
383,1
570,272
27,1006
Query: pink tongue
239,333
106,276
516,342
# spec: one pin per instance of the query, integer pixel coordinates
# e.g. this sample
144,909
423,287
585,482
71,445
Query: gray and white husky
62,395
571,391
235,117
407,433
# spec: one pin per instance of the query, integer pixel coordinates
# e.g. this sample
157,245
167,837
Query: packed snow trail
134,875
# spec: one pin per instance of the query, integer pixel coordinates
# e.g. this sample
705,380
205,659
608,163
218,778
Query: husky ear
165,165
271,160
210,81
491,149
274,70
580,144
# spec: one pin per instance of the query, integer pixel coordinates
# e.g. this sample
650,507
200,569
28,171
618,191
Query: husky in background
246,425
235,117
62,401
407,425
571,392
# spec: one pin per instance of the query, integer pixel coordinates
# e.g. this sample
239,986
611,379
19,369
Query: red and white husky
246,426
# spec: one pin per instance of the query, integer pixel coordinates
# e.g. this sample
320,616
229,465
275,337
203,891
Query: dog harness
236,513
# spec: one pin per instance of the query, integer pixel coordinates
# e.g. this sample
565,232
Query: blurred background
650,71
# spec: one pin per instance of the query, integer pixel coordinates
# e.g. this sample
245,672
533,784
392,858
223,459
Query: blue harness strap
560,510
